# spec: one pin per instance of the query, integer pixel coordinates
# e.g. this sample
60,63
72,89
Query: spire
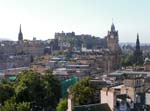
20,35
138,53
137,42
112,27
20,29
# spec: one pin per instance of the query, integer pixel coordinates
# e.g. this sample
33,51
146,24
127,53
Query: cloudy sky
42,18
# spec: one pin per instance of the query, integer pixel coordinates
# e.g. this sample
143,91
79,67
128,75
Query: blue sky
42,18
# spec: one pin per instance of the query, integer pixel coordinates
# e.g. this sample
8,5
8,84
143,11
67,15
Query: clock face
111,36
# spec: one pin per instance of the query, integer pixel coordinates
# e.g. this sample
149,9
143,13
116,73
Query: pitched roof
93,107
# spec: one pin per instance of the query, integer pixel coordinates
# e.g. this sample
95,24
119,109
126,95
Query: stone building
68,40
107,58
147,97
147,83
112,39
88,107
19,51
113,45
134,87
64,40
132,90
109,96
147,64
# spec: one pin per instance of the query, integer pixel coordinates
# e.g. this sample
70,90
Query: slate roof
93,107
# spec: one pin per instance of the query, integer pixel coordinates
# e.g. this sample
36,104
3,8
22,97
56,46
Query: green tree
83,92
30,91
41,90
6,92
53,89
24,106
62,106
128,60
11,105
28,86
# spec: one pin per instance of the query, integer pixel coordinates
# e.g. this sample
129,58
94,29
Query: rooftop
118,86
93,107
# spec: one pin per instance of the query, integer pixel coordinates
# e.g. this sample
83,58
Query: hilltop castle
104,51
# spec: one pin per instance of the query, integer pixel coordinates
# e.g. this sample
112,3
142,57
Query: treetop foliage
83,92
31,89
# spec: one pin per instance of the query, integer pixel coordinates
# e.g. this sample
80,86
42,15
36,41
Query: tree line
30,91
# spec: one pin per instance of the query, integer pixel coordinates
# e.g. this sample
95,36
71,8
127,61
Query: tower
112,39
137,43
114,49
138,58
20,35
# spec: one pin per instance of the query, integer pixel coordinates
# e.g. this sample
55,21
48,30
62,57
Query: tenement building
20,51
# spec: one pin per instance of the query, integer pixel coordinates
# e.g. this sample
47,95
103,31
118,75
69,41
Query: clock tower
112,39
114,49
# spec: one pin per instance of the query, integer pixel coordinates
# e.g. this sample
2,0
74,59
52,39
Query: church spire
138,55
20,29
137,43
20,35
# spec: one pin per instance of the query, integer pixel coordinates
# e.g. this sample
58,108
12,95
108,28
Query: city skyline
42,19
